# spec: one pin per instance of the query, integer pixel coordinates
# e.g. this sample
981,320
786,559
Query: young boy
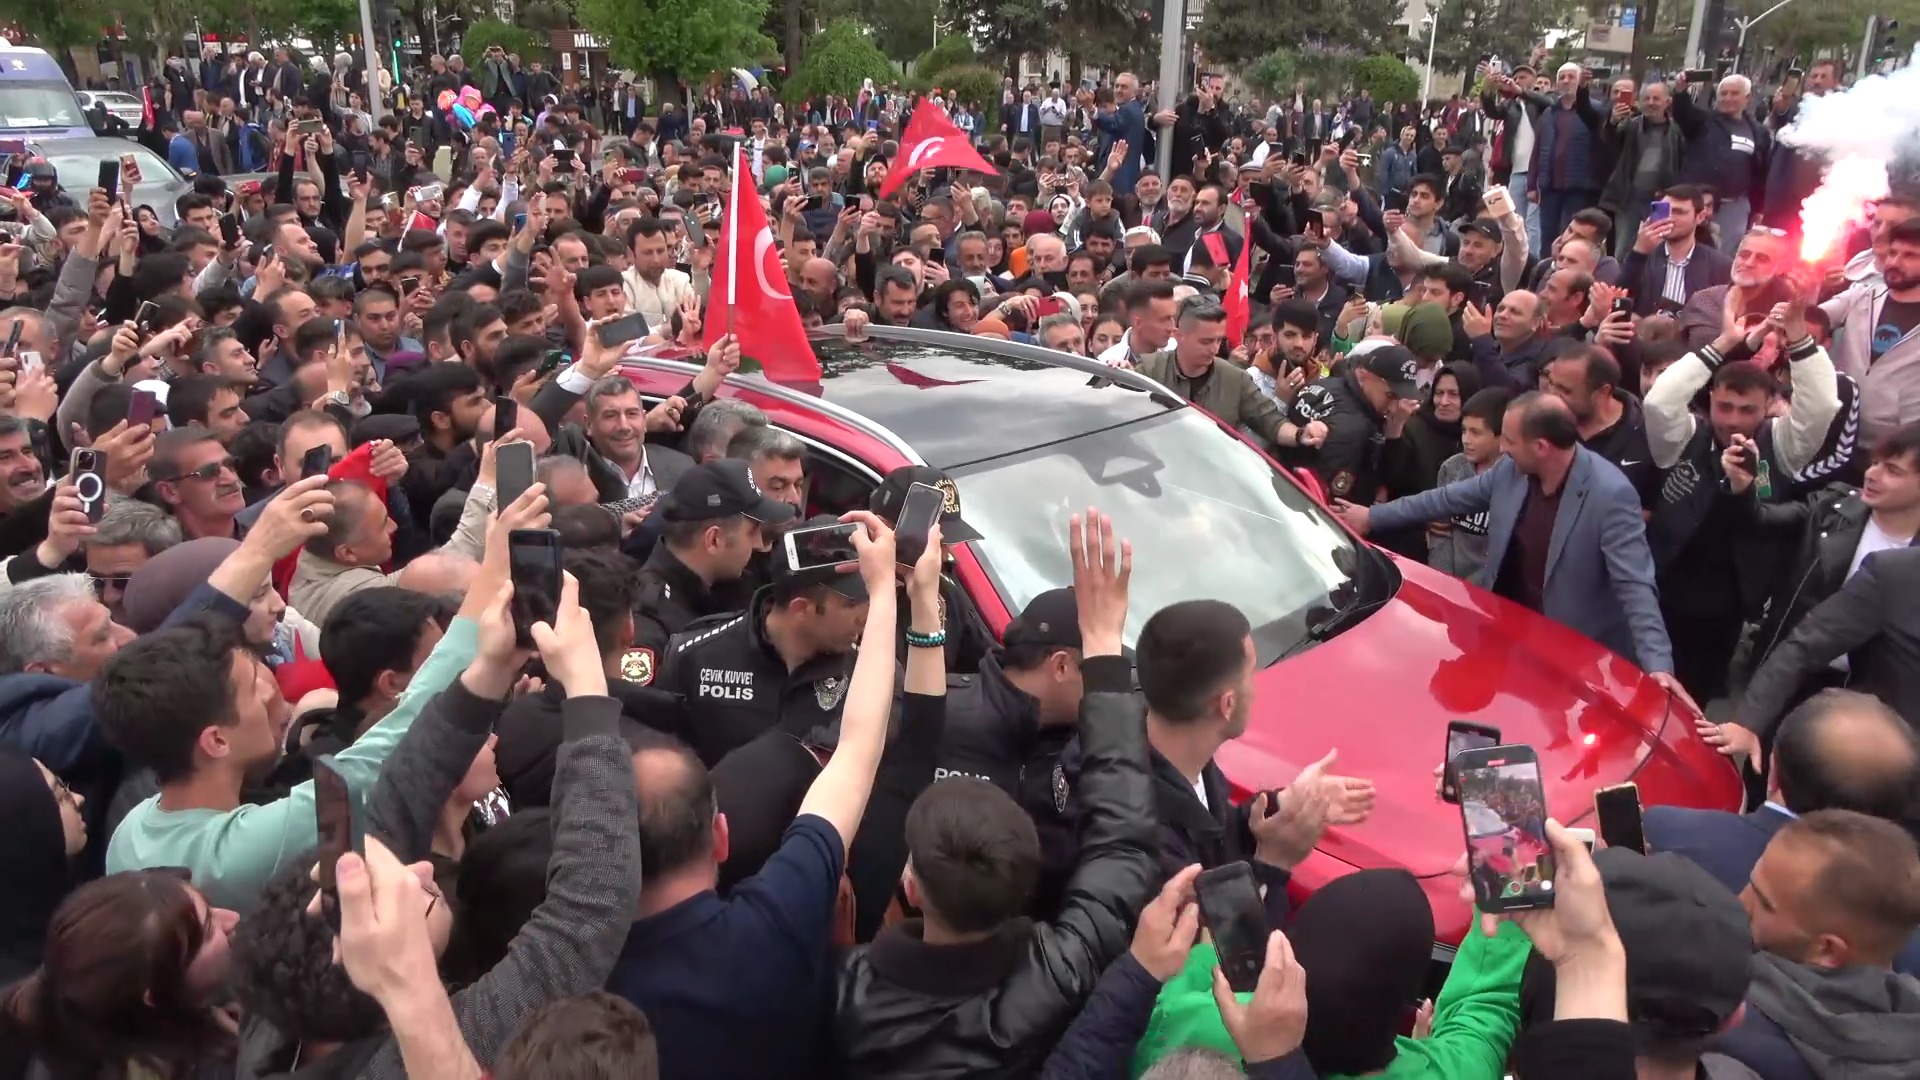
1460,546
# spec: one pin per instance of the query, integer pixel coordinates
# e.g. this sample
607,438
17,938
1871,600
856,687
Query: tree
59,28
1471,30
671,37
1003,29
1275,74
1235,33
903,29
1388,77
838,60
951,51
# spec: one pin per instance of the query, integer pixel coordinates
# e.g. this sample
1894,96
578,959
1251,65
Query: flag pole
733,241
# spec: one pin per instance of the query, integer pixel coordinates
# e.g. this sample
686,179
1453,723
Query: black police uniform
672,597
1350,462
736,686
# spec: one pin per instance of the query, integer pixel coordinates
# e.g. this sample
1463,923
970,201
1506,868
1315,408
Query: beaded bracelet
935,640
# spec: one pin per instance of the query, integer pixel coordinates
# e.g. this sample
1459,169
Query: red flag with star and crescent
749,296
1238,303
932,142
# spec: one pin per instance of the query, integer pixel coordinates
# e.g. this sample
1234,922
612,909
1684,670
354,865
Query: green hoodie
1474,1020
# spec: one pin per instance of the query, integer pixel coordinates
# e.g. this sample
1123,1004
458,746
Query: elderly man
1647,148
1563,152
1728,151
358,542
1509,345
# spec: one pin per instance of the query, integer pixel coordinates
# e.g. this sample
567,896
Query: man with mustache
196,481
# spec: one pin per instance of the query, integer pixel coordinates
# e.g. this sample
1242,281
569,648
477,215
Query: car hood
1382,693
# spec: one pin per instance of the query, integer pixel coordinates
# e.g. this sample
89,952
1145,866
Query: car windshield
80,172
37,104
1208,516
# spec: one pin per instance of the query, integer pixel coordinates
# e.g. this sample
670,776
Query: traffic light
1888,46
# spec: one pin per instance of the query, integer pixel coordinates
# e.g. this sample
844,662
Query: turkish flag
932,142
748,296
1238,304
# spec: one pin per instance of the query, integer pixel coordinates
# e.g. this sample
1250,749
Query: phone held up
90,480
1462,736
1617,809
918,511
339,829
822,547
1236,917
533,565
1503,811
513,471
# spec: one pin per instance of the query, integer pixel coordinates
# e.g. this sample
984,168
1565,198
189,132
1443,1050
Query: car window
1208,517
32,103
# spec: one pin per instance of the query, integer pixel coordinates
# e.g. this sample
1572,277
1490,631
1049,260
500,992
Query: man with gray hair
716,425
54,637
1728,151
1062,331
614,447
130,533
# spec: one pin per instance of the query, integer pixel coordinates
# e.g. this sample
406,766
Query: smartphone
360,160
1660,210
13,338
1585,836
615,332
513,471
1231,909
143,318
132,168
428,193
110,178
814,202
90,479
1463,736
1622,305
316,462
1503,812
632,176
1395,200
1623,96
1701,76
1616,810
519,222
338,829
1750,458
308,127
918,512
821,547
142,408
29,360
533,565
506,417
229,231
1480,293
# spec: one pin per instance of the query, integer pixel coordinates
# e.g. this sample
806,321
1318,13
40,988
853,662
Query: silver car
122,106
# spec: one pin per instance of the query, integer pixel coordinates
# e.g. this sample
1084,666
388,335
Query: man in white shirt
654,288
1053,116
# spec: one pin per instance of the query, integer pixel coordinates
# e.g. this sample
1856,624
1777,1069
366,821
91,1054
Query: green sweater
1474,1020
233,853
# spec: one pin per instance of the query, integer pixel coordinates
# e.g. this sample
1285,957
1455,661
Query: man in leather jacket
972,989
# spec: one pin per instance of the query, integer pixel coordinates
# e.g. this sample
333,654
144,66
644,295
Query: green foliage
902,28
1509,29
1002,28
1235,33
1274,75
952,51
837,60
512,39
972,82
690,37
1388,77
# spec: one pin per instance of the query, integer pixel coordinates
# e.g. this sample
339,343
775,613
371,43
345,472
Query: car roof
957,399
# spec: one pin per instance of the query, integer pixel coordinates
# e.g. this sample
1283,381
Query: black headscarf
1364,941
33,863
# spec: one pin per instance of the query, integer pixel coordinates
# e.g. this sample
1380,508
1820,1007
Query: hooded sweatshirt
1857,1023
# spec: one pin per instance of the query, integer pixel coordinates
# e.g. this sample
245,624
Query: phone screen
142,407
110,178
821,547
334,822
519,222
90,482
506,416
533,564
1618,811
1504,809
1395,200
513,469
1461,737
918,512
622,330
1234,914
316,462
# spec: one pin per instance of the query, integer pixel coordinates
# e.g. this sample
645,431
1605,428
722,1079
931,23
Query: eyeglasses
103,582
210,471
62,793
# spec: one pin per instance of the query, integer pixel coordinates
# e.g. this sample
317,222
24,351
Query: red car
1361,651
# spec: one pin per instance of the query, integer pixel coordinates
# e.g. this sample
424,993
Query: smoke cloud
1868,135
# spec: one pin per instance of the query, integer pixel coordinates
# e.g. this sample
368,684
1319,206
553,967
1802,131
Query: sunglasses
209,471
103,582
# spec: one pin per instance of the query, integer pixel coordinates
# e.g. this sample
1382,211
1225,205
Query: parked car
122,106
161,185
36,100
1359,649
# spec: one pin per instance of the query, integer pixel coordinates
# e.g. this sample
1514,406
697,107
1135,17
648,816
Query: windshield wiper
1369,594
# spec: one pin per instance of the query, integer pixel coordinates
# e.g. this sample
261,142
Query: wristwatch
338,397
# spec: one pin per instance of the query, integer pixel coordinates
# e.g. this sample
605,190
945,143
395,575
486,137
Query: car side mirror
1306,479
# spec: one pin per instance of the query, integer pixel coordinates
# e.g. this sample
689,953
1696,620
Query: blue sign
1628,18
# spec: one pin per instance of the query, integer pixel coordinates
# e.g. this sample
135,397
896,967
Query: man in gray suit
1564,534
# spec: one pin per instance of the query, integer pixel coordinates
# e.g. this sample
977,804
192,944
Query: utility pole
1693,58
1740,52
376,107
1173,55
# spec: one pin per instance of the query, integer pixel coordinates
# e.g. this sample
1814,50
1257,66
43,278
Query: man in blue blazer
1564,534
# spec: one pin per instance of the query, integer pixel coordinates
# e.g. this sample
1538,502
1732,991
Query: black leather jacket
1827,526
995,1008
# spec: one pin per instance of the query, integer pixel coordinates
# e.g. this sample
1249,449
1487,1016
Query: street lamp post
1740,51
1433,36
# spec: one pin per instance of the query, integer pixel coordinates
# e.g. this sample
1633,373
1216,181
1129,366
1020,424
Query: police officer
1009,724
712,522
1355,407
968,639
784,661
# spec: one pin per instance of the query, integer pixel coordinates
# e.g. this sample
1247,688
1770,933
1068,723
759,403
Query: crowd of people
735,816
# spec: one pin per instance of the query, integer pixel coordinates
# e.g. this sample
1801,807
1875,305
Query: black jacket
995,1008
1827,526
1212,835
1351,463
672,597
735,686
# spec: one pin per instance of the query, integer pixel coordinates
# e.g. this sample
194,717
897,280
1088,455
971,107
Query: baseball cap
722,489
1051,619
849,585
1486,227
1395,364
1689,945
891,497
